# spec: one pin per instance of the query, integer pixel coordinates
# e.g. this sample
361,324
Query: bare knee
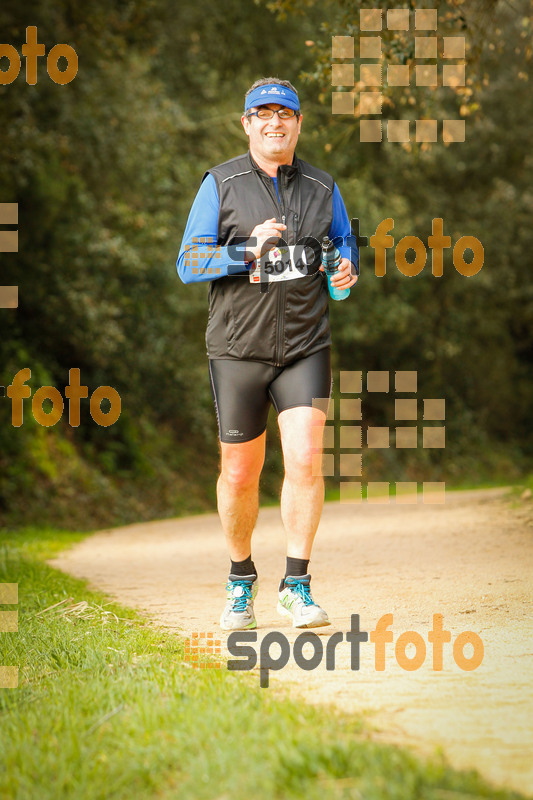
241,466
301,463
238,477
301,436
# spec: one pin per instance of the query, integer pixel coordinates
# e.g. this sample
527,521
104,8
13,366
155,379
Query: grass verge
107,708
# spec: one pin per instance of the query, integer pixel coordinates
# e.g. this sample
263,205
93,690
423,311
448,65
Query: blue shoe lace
303,590
240,603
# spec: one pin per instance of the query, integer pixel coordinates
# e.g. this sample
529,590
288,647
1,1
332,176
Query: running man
267,343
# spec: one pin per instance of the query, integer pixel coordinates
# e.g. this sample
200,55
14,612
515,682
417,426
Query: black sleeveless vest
290,320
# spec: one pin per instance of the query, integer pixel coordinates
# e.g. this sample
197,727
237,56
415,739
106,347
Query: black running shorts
244,390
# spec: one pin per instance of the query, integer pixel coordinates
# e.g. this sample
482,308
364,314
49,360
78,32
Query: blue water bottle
331,258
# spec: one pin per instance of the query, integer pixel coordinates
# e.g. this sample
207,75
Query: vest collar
289,170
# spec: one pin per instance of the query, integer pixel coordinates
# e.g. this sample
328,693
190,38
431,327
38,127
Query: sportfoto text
74,391
381,241
380,637
31,51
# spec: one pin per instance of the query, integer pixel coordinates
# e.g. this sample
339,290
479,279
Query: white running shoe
295,601
238,614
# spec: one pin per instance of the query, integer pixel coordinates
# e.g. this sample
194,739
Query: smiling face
272,141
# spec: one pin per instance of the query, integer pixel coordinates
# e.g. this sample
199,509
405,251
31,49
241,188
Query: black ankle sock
296,566
246,567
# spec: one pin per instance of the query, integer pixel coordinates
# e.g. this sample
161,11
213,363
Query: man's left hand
345,276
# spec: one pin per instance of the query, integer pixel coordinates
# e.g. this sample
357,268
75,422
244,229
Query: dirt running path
470,560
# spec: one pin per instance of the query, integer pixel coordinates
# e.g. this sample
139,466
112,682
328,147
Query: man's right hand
263,237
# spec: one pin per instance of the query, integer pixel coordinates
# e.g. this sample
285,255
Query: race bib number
285,263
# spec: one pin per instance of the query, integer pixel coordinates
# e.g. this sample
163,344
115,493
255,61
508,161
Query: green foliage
104,171
470,339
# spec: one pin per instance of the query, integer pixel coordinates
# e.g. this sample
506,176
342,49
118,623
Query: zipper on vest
273,196
283,286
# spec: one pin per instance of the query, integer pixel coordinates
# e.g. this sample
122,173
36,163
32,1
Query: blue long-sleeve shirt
202,229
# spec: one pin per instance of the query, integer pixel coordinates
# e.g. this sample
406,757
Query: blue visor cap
272,93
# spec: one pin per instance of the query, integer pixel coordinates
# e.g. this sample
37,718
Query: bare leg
238,493
302,495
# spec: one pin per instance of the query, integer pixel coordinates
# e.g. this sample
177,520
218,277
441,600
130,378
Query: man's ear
245,124
300,123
